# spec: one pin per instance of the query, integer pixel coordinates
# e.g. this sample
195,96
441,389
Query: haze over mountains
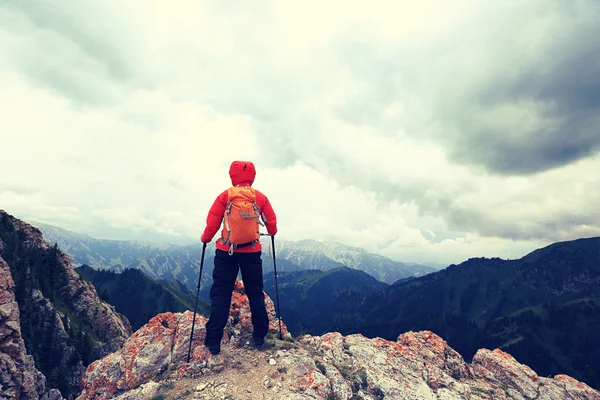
311,254
182,262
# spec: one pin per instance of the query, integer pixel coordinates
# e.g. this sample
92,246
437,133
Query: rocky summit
418,365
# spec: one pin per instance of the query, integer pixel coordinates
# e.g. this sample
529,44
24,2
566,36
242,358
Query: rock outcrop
19,379
421,365
66,323
418,365
111,327
163,344
80,294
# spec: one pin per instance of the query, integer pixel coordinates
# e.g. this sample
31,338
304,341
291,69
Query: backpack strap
227,212
258,215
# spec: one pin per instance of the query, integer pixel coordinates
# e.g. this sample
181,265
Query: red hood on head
242,173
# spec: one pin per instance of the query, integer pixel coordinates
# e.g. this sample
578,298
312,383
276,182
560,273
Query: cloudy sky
423,131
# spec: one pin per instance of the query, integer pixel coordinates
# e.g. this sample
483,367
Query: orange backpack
242,218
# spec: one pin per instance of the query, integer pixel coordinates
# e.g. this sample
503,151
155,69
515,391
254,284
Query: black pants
224,276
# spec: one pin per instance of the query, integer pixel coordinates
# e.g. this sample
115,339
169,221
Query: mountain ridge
307,253
308,297
182,262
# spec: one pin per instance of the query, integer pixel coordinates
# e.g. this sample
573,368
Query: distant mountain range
162,260
310,254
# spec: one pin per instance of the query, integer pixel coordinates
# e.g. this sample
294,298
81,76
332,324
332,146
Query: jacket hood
242,173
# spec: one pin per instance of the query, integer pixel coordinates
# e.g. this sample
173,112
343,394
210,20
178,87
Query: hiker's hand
204,240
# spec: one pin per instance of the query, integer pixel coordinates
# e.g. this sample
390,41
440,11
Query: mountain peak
324,255
417,365
162,260
320,245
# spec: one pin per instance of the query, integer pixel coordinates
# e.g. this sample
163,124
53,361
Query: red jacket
242,173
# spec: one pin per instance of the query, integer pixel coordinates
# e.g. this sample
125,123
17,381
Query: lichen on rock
418,365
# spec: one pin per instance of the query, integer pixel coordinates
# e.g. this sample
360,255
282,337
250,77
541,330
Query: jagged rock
113,328
78,298
18,377
163,344
145,391
500,369
421,365
53,394
148,352
32,236
239,325
80,295
51,324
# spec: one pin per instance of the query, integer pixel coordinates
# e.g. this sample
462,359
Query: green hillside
310,298
543,308
140,297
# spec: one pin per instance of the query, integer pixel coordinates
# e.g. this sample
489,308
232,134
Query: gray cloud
517,96
69,26
63,54
530,104
539,110
562,225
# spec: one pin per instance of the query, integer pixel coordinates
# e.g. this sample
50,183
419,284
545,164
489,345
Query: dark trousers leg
224,275
251,266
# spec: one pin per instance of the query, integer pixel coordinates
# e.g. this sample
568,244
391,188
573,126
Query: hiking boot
215,362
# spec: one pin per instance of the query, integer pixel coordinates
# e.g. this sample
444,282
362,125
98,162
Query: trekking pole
276,286
196,305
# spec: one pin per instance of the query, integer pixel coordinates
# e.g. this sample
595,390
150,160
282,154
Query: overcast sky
420,130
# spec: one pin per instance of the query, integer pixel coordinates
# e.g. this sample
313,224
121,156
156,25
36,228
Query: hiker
238,249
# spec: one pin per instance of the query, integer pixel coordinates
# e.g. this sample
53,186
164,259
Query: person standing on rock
240,210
